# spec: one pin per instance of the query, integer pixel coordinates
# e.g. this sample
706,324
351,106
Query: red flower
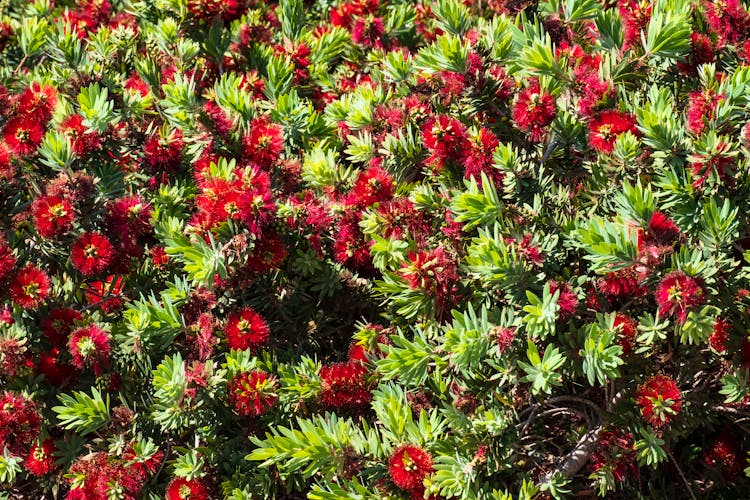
252,393
81,140
408,467
627,329
19,422
91,253
659,399
505,337
567,301
229,10
264,143
163,151
40,461
479,159
256,203
246,329
702,109
371,186
29,287
718,339
7,259
534,111
446,138
90,346
7,170
107,294
662,228
53,215
55,371
615,452
677,293
130,215
725,454
635,16
187,489
37,100
345,385
607,126
23,135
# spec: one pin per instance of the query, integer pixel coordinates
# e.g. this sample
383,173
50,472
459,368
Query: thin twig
682,475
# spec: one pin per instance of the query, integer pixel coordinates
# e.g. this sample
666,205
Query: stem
684,479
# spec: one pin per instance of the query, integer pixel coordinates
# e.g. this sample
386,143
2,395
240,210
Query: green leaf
81,412
475,208
542,371
601,354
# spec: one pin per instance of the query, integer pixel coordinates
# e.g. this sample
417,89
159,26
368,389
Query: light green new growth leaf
81,412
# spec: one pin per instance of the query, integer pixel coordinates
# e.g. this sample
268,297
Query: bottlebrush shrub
374,249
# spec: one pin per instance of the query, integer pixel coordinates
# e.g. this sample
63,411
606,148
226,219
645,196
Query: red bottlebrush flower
200,336
13,356
447,140
163,151
7,259
627,329
345,385
229,10
40,461
663,229
724,453
57,372
269,253
29,287
635,16
81,140
659,399
701,52
371,186
107,294
256,202
7,170
90,346
349,246
728,19
246,329
252,393
37,100
23,135
607,126
702,109
408,467
567,301
52,215
534,111
615,452
718,164
19,422
718,339
264,143
479,158
181,488
135,85
677,293
505,337
219,120
368,31
130,215
91,253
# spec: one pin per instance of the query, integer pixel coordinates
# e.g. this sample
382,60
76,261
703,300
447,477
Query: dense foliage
374,249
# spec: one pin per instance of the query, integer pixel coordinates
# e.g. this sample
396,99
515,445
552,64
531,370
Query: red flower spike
90,346
606,127
23,135
30,287
246,329
345,385
7,259
19,422
252,393
91,253
677,293
627,330
659,399
40,460
408,467
38,101
181,488
534,111
52,216
718,339
264,143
